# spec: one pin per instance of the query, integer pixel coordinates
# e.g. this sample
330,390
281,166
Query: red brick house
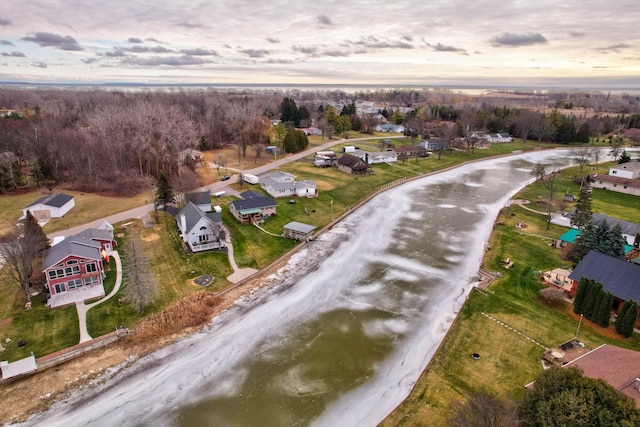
74,267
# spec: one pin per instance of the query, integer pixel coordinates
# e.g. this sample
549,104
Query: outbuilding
54,205
298,231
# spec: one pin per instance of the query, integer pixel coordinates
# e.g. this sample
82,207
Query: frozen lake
341,335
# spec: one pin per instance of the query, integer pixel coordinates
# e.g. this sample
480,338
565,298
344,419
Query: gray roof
57,200
300,227
254,203
69,247
617,276
192,215
93,234
250,194
277,185
629,228
199,198
353,162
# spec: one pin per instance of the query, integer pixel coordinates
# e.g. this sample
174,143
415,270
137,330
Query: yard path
82,308
238,274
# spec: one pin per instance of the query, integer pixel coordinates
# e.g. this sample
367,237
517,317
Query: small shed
298,231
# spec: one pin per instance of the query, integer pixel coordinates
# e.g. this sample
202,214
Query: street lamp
579,323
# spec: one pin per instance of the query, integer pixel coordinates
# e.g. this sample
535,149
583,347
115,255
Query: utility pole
579,323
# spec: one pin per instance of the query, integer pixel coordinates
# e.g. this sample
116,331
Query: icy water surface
340,335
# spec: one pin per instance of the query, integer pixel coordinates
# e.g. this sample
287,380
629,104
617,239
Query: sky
402,42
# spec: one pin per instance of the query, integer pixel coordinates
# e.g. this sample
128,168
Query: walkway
238,274
82,308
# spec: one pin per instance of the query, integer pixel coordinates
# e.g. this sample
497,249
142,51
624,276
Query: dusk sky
490,42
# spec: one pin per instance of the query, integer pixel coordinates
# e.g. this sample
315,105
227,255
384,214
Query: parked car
225,177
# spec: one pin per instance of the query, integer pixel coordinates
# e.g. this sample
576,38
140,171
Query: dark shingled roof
199,197
617,276
192,215
250,194
254,203
57,200
69,247
352,162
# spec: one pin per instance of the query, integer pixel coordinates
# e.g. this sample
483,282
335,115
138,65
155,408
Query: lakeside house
622,178
298,231
253,207
620,278
284,184
374,158
74,267
199,230
353,165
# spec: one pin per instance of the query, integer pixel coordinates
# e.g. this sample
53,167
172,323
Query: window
72,284
93,280
56,274
72,262
59,288
70,271
91,267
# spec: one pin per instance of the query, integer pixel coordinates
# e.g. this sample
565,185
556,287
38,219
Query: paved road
142,211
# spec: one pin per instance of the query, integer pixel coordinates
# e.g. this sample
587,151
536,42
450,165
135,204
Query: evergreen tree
290,144
622,312
592,295
164,192
604,310
581,294
289,111
37,237
302,140
595,309
624,157
628,320
583,215
615,242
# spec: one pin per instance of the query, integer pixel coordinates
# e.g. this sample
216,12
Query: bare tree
484,409
552,295
582,155
140,287
525,123
20,250
550,183
538,171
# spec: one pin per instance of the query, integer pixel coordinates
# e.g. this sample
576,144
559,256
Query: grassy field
508,360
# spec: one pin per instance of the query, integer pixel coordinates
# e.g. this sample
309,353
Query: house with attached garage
200,231
623,178
54,205
74,267
253,207
284,184
374,158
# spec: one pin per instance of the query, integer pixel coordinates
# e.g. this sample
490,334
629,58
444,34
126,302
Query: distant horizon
619,88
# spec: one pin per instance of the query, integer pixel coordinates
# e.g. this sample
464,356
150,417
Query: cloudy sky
516,42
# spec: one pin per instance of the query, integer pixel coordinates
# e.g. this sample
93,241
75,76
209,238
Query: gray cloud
54,40
439,47
190,25
324,20
90,60
255,53
14,54
335,53
307,50
173,61
116,53
576,34
5,21
279,61
39,65
373,42
613,48
151,39
199,52
515,40
134,40
272,40
6,43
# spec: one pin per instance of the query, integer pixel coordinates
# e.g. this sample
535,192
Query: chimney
183,223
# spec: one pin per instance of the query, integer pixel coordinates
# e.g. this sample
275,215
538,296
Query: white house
389,128
629,170
283,184
202,200
200,231
54,205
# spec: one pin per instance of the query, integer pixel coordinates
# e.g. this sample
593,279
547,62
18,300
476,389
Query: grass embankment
508,360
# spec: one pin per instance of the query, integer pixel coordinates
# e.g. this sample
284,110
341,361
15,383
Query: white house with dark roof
200,231
54,205
74,267
253,207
